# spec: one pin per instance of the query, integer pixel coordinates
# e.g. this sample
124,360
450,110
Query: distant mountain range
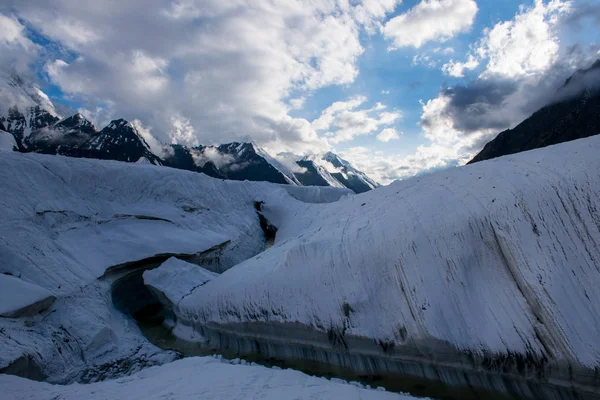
575,115
37,125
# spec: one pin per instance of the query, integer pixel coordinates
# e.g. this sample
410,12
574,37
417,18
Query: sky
399,88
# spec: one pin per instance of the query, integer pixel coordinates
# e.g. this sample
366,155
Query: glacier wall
497,260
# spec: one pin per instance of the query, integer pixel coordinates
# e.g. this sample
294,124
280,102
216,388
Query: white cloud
525,45
328,115
297,103
387,134
447,147
430,20
16,50
516,57
385,92
342,121
228,69
528,44
444,51
424,59
457,69
156,147
182,131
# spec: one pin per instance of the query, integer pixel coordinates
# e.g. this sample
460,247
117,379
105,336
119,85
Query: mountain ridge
37,127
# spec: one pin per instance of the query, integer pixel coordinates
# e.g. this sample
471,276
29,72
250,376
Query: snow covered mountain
349,176
313,173
247,161
38,127
575,115
190,159
24,108
331,170
236,161
62,137
7,140
120,141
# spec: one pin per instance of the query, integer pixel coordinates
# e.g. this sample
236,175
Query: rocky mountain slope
574,115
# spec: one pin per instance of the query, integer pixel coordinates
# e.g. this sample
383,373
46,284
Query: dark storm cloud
497,104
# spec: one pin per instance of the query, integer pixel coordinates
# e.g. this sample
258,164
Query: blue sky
398,88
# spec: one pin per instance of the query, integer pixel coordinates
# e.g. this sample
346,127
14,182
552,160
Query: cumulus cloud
522,67
16,50
388,134
457,69
228,69
430,20
343,120
526,44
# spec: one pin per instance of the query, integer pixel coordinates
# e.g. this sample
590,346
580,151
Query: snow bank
19,298
65,222
497,260
199,377
7,141
175,279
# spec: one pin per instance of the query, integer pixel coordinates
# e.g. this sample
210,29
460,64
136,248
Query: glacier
490,268
71,227
483,276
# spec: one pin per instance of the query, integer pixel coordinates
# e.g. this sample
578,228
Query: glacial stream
133,298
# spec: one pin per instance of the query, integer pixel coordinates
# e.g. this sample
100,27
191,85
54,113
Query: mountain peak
75,123
120,124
